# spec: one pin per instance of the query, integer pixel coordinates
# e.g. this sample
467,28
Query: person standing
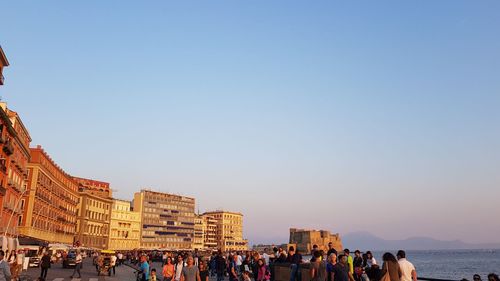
266,256
350,261
391,266
233,271
144,268
203,270
20,260
318,268
341,270
331,250
408,272
263,271
168,270
331,262
358,265
112,263
5,274
220,266
370,260
190,272
78,265
178,268
295,260
44,265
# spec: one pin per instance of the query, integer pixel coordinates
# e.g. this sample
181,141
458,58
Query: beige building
94,213
305,239
229,230
167,220
125,227
198,232
209,232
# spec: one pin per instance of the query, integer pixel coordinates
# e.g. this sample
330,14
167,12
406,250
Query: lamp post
14,211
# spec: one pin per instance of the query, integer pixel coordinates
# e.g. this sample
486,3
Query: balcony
8,148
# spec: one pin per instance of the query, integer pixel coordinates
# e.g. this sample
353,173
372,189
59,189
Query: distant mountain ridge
367,241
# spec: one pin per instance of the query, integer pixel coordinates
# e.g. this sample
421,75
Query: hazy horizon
380,117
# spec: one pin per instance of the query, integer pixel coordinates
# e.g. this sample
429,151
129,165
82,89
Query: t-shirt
113,260
78,258
341,272
178,270
351,264
4,270
145,270
406,269
266,258
190,273
239,261
331,251
204,275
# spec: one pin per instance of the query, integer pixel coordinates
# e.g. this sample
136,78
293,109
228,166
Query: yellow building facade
229,230
209,232
93,220
125,227
198,233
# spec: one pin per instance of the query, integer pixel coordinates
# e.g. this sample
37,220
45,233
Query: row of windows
98,204
96,229
96,216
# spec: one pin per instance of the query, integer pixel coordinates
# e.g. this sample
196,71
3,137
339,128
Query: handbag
387,276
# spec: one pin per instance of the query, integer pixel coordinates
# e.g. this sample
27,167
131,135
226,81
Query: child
153,275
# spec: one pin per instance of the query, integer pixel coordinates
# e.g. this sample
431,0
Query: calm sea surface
451,264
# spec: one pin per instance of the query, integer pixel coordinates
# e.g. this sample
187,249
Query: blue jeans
294,272
220,276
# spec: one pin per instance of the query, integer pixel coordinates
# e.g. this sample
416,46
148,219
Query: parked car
70,260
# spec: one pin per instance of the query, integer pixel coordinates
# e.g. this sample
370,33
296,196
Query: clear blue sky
381,116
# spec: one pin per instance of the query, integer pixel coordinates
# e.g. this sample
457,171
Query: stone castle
305,239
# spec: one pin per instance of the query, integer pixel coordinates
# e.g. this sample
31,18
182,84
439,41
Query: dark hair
317,254
476,276
2,253
357,252
291,248
153,270
389,257
495,277
401,254
315,246
369,253
346,250
341,256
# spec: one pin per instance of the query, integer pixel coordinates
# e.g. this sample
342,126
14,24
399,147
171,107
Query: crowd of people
236,266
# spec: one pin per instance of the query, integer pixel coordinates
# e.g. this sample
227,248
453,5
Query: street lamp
14,211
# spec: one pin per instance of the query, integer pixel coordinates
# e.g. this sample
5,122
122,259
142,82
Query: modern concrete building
229,230
167,220
50,205
305,239
125,227
94,213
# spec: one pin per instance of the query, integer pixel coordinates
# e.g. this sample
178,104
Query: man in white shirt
113,265
265,256
408,272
